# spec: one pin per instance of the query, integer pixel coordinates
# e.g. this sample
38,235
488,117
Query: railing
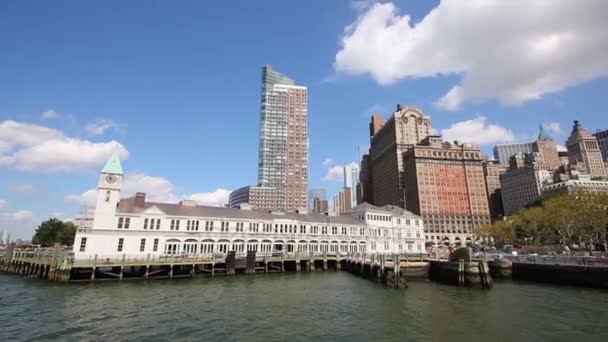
558,260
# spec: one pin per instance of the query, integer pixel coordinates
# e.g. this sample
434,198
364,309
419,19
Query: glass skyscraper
283,149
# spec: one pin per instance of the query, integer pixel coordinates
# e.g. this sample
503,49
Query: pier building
137,227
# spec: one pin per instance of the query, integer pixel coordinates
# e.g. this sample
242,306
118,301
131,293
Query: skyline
181,106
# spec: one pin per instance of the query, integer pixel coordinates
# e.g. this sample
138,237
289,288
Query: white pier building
136,227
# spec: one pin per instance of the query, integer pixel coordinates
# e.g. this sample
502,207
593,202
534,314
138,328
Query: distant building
259,197
574,185
316,193
504,152
365,189
351,181
407,127
492,171
584,152
523,184
602,140
563,158
343,201
445,185
320,206
546,146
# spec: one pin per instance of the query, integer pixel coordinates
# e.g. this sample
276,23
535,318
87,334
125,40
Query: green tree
54,231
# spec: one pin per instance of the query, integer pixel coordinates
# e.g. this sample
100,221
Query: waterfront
304,306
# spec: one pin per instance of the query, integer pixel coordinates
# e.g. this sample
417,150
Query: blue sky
175,87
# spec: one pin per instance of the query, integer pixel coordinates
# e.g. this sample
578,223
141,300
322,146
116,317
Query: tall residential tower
283,149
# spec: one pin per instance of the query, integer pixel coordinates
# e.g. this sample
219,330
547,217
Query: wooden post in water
122,267
94,267
461,272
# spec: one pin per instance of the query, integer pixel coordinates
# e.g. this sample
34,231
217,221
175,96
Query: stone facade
492,171
584,153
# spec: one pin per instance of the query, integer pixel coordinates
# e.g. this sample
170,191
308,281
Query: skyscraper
351,180
283,149
407,127
584,152
545,145
319,193
602,140
504,152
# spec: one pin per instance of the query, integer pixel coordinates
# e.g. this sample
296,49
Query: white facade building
135,227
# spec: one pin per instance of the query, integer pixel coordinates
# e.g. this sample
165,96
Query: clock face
111,179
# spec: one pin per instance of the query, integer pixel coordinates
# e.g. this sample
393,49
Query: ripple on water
296,307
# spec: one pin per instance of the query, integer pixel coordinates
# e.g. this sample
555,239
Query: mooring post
94,268
122,267
213,265
461,272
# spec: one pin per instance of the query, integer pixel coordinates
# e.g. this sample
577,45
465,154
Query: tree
54,231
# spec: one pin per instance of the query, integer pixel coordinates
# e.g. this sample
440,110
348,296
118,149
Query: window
145,223
324,230
142,245
196,228
120,222
107,196
302,229
224,226
127,222
177,224
172,224
188,225
157,224
344,231
334,230
418,234
155,247
83,244
417,223
120,243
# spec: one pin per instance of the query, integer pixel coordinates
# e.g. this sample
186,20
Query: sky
174,87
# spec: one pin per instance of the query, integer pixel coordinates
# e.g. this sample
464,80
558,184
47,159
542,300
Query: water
297,307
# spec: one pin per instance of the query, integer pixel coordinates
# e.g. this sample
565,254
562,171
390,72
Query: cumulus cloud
513,51
327,162
157,189
3,203
561,148
30,147
477,131
21,188
18,216
334,173
100,126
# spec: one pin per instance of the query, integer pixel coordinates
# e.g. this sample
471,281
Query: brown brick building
445,184
492,171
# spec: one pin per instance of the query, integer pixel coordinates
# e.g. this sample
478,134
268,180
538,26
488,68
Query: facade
492,171
445,185
563,158
407,127
584,152
351,181
320,206
546,146
574,185
283,150
523,185
504,152
602,140
138,228
84,220
259,197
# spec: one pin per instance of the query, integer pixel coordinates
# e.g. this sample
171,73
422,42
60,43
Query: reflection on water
301,307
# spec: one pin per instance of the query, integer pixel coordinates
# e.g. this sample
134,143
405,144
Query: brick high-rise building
283,150
365,189
584,152
407,127
445,185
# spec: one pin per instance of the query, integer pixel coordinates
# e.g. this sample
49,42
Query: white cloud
217,198
514,51
554,127
37,148
561,148
157,189
334,173
477,131
328,162
21,188
18,216
3,203
50,114
58,214
100,126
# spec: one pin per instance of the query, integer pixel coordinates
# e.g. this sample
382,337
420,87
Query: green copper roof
542,134
113,165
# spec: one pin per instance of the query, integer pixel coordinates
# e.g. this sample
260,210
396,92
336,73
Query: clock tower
108,193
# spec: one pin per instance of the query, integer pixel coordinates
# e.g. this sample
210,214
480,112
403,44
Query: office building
546,146
523,185
351,181
504,152
445,185
584,152
492,171
602,140
258,197
320,206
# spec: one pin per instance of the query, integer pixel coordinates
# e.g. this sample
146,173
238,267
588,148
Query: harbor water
330,306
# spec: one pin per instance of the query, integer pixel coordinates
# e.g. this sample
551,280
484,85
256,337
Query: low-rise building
259,197
136,227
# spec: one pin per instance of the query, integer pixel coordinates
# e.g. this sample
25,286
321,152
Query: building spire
113,165
542,134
